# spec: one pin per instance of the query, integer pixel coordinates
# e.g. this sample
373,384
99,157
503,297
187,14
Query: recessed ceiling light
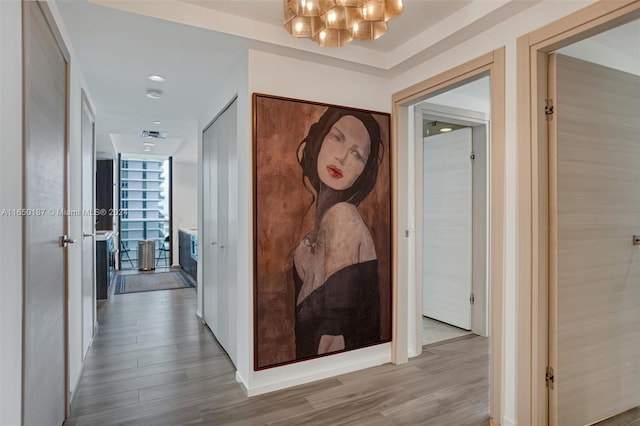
154,94
156,122
446,129
147,149
149,144
156,77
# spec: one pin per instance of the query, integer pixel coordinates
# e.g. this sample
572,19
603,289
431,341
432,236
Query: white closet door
594,325
209,262
227,127
446,275
88,227
219,287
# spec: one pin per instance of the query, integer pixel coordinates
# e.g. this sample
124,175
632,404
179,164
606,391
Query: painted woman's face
344,153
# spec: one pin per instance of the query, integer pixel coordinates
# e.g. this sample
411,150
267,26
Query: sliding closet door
447,223
209,234
88,225
219,287
594,141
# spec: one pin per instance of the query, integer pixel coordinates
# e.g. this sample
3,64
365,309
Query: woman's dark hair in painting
313,142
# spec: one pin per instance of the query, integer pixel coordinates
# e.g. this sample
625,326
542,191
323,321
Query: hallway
153,363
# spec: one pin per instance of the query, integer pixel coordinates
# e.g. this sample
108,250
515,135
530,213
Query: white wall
503,34
280,76
10,226
185,201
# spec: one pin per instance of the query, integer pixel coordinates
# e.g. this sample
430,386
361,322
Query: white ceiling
618,48
193,43
474,96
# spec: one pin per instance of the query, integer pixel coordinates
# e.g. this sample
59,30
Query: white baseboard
506,421
74,388
297,374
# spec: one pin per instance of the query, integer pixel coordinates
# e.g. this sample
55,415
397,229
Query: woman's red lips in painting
334,171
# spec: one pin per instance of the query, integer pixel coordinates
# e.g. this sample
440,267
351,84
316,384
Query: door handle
636,240
65,240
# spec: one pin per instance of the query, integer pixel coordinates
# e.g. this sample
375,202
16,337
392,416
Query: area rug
137,283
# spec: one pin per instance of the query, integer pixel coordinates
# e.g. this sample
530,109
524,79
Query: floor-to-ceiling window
144,203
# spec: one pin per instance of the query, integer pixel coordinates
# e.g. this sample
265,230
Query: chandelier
337,22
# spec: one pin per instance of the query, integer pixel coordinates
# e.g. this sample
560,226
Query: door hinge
473,155
472,298
548,108
549,377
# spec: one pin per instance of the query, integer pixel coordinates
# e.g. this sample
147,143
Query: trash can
146,255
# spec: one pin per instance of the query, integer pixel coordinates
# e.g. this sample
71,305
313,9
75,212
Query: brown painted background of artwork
283,217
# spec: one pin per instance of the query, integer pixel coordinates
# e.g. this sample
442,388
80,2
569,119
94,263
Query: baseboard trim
72,391
279,383
507,422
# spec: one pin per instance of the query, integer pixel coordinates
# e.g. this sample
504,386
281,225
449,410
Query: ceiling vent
153,134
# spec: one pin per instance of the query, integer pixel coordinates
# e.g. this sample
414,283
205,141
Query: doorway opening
451,147
580,307
414,113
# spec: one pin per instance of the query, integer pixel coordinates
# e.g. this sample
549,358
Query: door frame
532,229
493,64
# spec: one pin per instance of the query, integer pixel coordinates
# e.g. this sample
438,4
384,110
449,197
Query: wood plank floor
153,363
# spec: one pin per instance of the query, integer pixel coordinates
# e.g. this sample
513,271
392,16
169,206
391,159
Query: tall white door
209,263
594,326
88,226
447,237
219,287
222,304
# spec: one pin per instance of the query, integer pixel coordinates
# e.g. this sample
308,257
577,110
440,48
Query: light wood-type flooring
154,363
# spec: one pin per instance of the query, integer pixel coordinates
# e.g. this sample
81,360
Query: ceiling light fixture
156,77
148,144
156,122
446,129
336,22
154,93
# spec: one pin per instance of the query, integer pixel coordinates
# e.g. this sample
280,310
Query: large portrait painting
322,229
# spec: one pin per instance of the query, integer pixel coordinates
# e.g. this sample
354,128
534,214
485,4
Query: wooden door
594,147
88,225
447,237
45,126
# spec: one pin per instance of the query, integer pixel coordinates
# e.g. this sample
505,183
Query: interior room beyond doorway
451,151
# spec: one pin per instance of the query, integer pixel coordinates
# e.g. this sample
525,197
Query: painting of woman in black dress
323,230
